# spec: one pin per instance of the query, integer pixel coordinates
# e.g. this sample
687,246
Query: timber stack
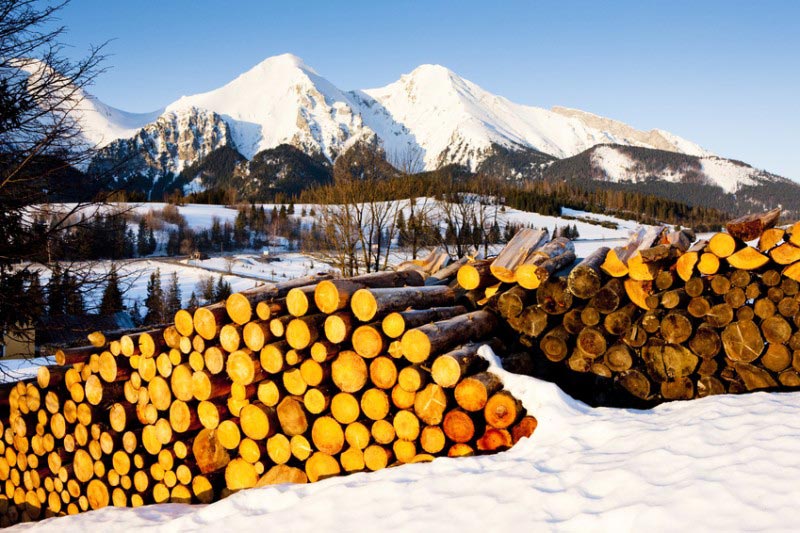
660,318
291,383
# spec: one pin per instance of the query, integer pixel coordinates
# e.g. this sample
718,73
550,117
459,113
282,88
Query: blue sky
723,74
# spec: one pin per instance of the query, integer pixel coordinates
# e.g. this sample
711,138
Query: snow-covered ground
722,463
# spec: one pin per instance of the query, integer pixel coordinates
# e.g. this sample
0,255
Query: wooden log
269,310
636,383
754,378
395,324
271,357
458,426
244,367
419,343
554,344
300,301
209,320
242,303
666,361
476,275
616,260
345,408
524,428
742,341
554,297
678,389
334,295
338,327
383,372
709,385
430,404
412,378
516,251
544,261
472,393
304,331
618,358
327,436
494,440
705,342
585,280
256,334
676,327
432,439
375,404
349,371
748,258
511,302
749,227
723,245
450,368
708,263
368,304
502,410
532,321
609,297
792,271
770,238
406,425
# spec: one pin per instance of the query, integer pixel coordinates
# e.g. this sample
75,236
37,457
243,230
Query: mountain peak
283,61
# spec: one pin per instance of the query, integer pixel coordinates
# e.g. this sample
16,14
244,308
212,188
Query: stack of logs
293,383
662,317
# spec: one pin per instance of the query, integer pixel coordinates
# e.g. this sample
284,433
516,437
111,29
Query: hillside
725,184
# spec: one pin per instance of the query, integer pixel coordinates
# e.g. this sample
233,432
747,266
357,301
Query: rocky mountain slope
430,116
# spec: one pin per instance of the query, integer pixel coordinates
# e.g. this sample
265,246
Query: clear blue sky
724,73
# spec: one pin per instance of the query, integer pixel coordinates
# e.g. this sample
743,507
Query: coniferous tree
193,301
142,243
222,289
73,301
35,296
112,295
206,288
172,298
154,301
55,293
151,242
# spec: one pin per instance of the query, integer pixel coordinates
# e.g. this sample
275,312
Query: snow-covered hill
431,110
721,463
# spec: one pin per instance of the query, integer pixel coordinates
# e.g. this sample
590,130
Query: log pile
294,383
661,317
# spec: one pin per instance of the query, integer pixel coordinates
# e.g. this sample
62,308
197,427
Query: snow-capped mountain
431,110
283,101
697,180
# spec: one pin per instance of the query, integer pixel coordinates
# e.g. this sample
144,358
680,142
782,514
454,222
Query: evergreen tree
240,229
193,301
142,243
73,299
151,242
291,209
35,296
135,310
112,296
222,290
55,293
154,301
206,288
494,234
402,231
172,299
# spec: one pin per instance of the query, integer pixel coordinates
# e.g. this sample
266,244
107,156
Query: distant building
19,341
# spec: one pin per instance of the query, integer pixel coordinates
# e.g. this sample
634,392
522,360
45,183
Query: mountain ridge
430,110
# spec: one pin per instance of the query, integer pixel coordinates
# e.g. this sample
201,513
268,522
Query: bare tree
41,144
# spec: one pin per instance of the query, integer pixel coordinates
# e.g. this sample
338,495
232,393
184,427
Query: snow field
717,463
